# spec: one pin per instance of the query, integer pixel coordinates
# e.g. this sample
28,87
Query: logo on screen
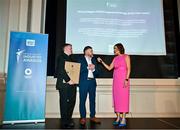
30,42
112,5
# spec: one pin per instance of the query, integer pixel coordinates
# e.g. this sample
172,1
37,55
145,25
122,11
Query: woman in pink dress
122,67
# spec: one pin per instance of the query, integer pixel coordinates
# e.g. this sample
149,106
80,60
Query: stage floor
106,123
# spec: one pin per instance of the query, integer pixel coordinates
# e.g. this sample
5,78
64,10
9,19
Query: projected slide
138,24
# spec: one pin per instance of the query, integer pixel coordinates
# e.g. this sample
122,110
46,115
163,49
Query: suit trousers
67,102
89,87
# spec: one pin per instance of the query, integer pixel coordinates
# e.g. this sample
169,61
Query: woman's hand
99,60
108,67
126,83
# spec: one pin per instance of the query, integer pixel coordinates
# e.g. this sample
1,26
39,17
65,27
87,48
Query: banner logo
30,42
28,73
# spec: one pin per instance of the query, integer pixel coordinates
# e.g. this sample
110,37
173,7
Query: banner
26,78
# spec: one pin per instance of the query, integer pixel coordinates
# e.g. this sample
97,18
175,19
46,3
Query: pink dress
120,94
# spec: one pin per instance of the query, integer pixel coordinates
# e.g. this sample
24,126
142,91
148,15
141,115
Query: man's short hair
86,48
65,45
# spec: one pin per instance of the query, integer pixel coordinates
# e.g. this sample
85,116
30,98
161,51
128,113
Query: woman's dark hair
120,48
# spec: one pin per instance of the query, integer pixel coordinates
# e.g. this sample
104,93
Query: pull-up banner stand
26,78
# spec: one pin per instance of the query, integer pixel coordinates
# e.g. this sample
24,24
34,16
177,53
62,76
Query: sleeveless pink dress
120,94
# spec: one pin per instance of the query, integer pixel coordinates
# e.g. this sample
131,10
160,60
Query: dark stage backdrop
142,66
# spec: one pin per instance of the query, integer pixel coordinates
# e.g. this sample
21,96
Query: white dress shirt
90,72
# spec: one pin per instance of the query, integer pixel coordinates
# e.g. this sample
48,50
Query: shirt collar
65,55
87,57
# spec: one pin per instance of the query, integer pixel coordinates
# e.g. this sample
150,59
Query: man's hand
91,67
71,82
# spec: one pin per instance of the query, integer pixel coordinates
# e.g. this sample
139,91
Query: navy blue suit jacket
84,70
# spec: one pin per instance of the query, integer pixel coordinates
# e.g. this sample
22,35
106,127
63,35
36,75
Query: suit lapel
85,62
93,60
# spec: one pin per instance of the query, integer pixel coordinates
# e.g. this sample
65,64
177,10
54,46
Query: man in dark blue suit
87,85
